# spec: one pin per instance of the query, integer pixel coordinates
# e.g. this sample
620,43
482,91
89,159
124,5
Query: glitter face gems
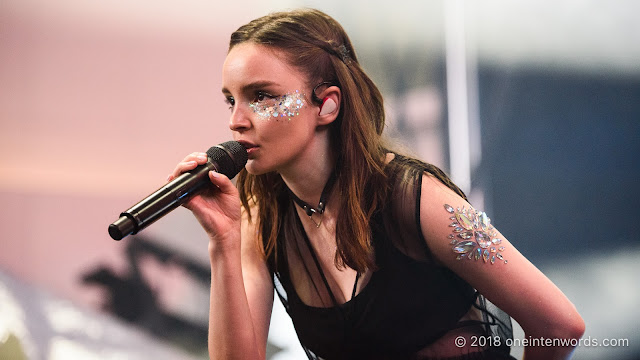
473,236
278,107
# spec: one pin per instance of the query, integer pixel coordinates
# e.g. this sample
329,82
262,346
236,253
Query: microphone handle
161,202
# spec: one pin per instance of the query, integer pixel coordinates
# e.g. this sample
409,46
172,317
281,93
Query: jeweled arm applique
473,236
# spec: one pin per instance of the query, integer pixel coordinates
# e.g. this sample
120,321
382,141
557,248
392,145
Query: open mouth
250,147
247,145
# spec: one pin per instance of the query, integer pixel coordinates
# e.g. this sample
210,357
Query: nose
240,120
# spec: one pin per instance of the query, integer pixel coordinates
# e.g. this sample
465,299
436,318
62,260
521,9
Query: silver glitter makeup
285,106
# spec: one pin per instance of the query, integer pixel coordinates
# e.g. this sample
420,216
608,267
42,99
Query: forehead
249,63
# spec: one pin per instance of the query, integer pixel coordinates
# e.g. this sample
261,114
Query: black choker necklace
308,209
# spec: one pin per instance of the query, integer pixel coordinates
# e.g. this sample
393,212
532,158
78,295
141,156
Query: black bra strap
317,262
355,285
315,259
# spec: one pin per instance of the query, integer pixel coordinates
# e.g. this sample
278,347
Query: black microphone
227,158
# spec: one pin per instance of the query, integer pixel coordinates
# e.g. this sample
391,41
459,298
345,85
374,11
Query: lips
249,146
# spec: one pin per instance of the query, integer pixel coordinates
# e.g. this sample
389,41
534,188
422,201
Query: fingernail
202,157
214,174
169,177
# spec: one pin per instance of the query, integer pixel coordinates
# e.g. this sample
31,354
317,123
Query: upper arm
257,280
516,286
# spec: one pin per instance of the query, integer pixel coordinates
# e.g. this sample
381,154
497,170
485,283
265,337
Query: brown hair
318,46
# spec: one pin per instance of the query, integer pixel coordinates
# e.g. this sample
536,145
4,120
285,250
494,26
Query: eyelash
264,95
258,97
230,101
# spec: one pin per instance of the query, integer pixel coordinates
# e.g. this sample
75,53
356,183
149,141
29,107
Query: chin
255,169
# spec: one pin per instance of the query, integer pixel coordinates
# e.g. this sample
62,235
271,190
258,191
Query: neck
308,179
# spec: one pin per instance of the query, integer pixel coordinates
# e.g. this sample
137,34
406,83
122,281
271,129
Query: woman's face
271,111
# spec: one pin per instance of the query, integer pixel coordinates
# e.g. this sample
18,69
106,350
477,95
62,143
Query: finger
200,158
222,182
190,162
182,167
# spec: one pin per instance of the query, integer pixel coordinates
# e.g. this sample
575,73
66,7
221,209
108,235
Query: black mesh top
411,307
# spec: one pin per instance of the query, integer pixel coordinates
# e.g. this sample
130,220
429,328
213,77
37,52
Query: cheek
282,108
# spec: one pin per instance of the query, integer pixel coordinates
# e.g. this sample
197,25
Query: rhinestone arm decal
472,235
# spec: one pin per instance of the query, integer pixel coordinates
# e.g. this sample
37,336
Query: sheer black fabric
410,307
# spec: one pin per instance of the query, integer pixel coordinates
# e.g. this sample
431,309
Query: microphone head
230,157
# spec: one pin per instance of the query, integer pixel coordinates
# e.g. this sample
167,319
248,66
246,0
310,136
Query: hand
218,208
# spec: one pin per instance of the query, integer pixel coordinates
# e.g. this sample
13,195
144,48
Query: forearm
231,330
553,342
547,353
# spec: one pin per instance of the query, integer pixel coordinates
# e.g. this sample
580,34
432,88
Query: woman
374,255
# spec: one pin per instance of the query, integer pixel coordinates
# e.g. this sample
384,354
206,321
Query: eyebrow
252,86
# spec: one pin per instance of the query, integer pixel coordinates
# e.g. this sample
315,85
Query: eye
230,101
261,96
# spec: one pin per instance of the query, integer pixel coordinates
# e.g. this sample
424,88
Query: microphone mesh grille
230,157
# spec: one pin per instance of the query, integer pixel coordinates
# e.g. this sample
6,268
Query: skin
518,288
299,150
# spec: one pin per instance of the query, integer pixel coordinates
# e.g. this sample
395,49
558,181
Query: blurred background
533,107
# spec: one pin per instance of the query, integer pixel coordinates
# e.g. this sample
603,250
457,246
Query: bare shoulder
465,240
460,235
390,157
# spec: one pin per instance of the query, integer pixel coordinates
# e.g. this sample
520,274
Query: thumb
222,182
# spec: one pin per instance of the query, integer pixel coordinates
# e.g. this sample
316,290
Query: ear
330,108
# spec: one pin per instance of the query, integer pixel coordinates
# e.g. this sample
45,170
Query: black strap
317,262
308,209
355,285
315,259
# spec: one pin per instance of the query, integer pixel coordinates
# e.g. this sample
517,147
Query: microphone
227,158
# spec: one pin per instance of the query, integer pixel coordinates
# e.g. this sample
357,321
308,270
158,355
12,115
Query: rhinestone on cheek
285,106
